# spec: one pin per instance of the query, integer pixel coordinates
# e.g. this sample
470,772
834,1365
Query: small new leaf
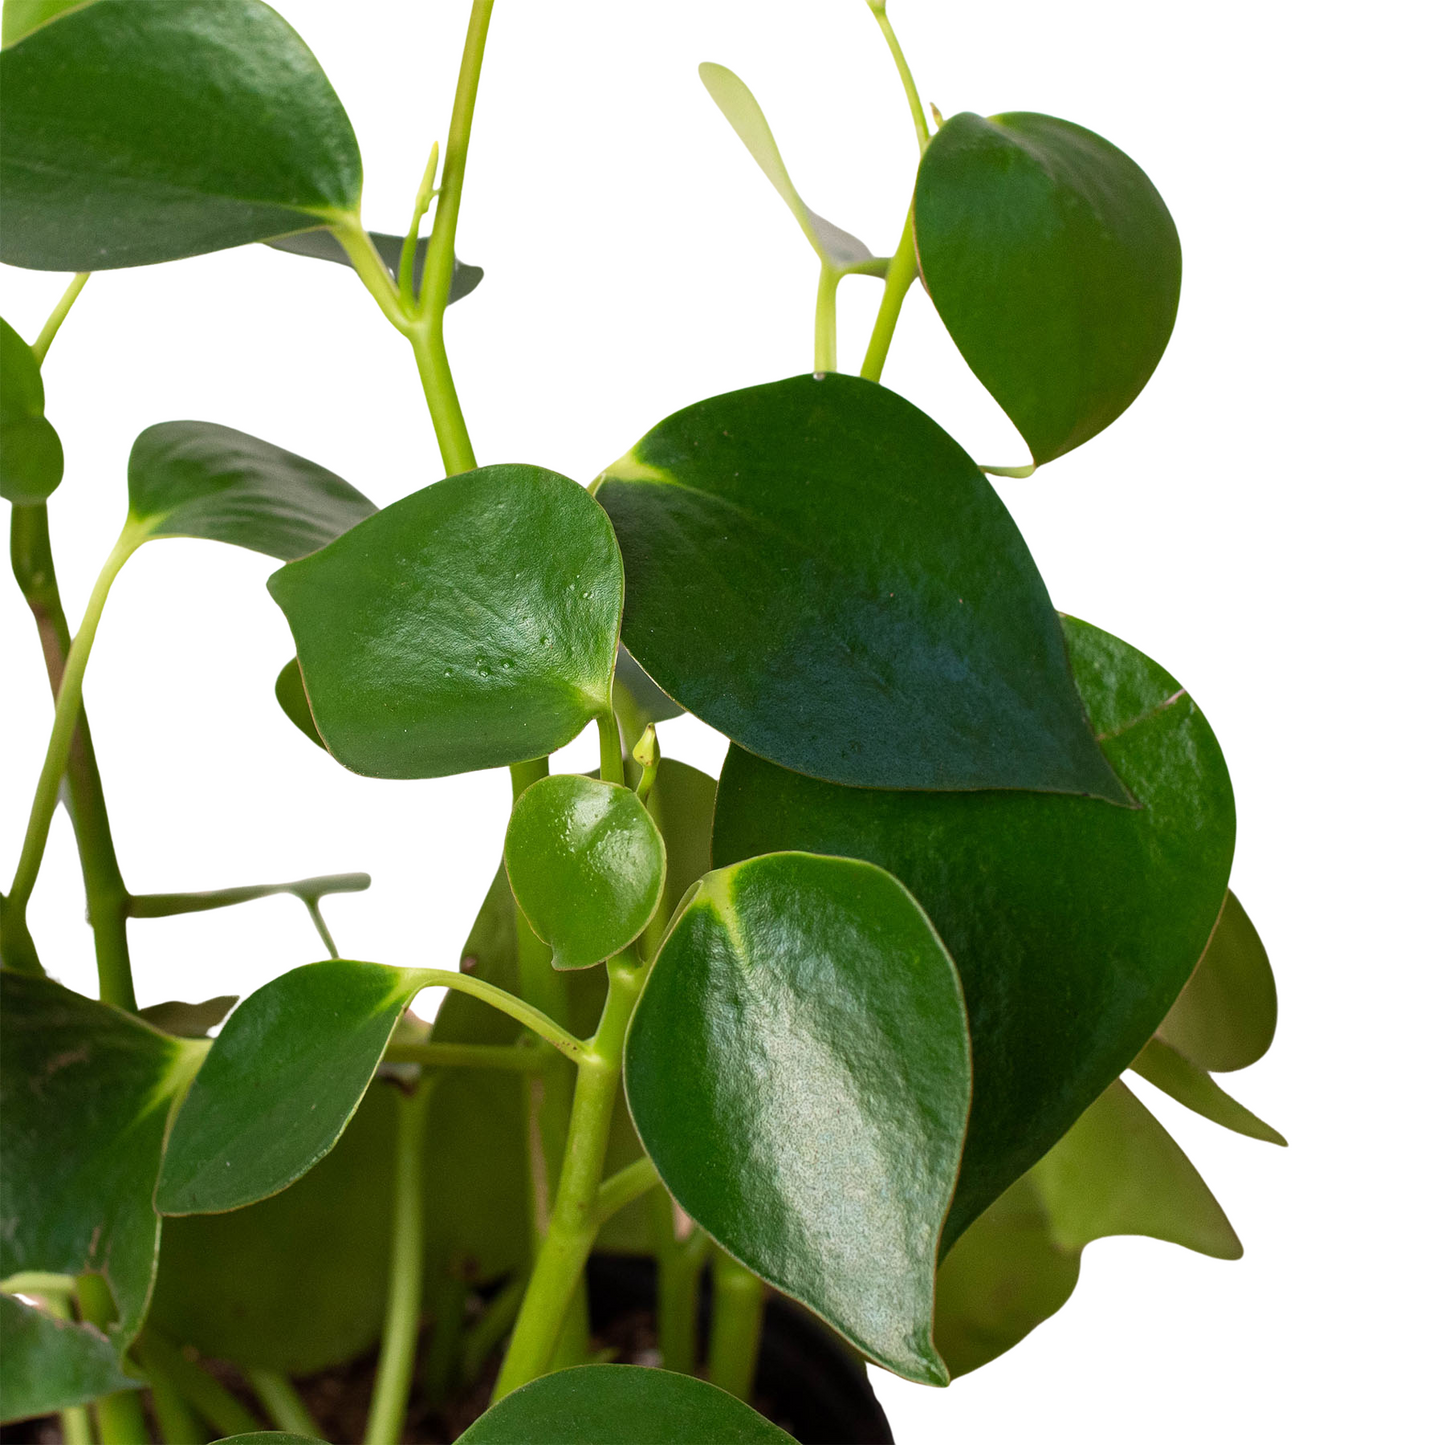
32,461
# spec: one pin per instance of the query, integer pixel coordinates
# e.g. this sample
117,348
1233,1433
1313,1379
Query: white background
1263,521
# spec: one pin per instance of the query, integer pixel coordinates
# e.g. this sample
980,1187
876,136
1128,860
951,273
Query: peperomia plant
868,997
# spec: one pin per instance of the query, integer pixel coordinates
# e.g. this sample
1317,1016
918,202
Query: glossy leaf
32,460
323,246
291,695
620,1405
1074,926
798,1070
470,625
48,1363
1225,1018
819,571
279,1084
586,863
137,131
835,247
1188,1084
85,1094
189,1020
1055,267
198,479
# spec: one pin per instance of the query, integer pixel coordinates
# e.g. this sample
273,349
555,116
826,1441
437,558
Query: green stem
425,195
574,1223
609,739
54,1298
67,710
737,1322
444,1346
514,1058
441,393
167,905
619,1190
825,322
679,1265
205,1394
179,1424
915,106
902,271
105,892
119,1418
490,1330
283,1402
408,1251
540,1023
41,345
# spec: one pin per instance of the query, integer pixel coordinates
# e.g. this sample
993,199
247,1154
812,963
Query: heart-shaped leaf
85,1094
32,460
470,625
1116,1171
136,131
836,249
198,479
323,246
291,694
1188,1084
798,1070
620,1405
51,1363
189,1020
279,1084
586,863
1074,926
1055,267
818,570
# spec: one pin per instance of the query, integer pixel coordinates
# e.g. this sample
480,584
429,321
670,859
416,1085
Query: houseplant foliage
846,1025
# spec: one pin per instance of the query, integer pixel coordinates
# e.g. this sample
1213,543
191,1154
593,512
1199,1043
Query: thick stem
575,1221
283,1403
609,739
737,1322
41,345
179,1424
441,394
408,1248
902,270
205,1394
119,1418
825,322
679,1265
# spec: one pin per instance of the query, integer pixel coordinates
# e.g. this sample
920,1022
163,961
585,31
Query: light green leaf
32,460
322,245
1188,1084
198,479
819,571
136,131
469,625
48,1363
798,1070
586,863
620,1405
835,247
1055,266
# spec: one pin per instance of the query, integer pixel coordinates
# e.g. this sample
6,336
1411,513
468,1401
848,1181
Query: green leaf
1074,926
1055,267
818,570
279,1084
637,700
31,458
19,17
137,131
85,1094
1193,1087
835,247
322,245
586,863
1225,1018
189,1020
798,1070
291,694
269,1437
620,1405
50,1363
198,479
469,625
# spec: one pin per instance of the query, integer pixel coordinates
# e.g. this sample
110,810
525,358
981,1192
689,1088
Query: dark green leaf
323,246
1055,267
1225,1018
189,1020
291,694
798,1070
279,1084
48,1363
1193,1087
137,131
620,1405
1074,926
469,625
31,459
85,1093
586,863
197,479
819,571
